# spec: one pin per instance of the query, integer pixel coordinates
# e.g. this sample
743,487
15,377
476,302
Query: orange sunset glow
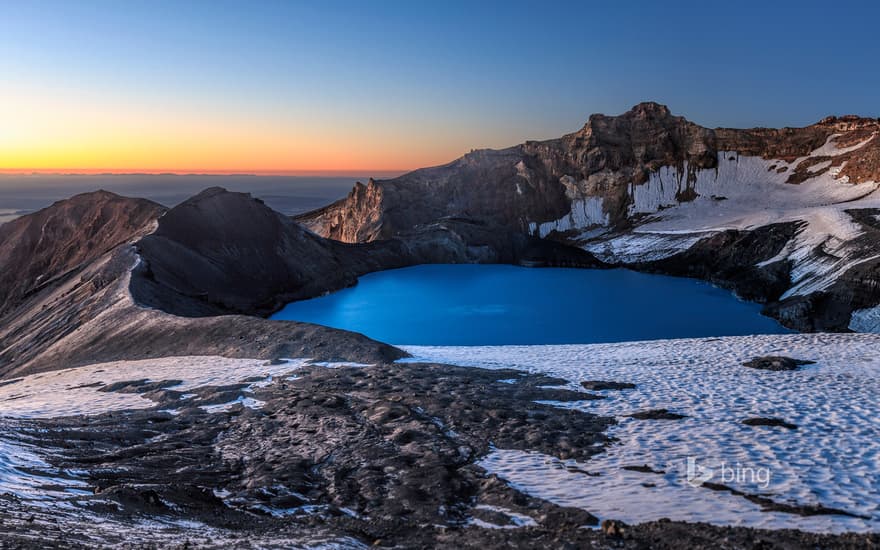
81,138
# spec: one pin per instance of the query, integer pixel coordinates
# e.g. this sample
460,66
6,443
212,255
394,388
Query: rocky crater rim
72,260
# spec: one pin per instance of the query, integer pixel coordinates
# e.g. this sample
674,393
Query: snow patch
516,520
642,247
584,213
75,391
660,191
745,193
831,459
248,402
865,320
830,148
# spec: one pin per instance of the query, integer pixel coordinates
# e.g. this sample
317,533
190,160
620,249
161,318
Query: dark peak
219,195
100,194
209,192
218,214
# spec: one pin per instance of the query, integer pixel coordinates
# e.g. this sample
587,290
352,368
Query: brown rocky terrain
124,279
82,310
38,250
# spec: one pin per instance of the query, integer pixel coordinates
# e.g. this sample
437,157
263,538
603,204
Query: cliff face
593,176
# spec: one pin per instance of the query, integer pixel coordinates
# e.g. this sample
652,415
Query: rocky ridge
102,277
97,299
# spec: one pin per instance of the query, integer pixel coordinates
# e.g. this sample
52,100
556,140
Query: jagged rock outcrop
646,186
538,182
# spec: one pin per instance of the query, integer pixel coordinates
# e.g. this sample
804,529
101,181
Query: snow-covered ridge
832,458
740,178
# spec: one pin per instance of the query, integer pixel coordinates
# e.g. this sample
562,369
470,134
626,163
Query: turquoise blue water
501,304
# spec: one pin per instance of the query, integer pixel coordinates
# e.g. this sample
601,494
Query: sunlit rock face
607,173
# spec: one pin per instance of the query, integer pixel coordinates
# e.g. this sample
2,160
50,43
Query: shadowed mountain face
233,252
66,282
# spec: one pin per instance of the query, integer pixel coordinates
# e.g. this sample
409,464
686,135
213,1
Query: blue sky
402,84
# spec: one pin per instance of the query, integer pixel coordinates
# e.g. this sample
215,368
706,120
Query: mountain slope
604,174
41,248
67,283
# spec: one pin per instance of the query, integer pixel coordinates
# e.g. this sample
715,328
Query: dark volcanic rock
856,288
656,414
776,363
394,445
613,528
222,252
139,386
730,259
643,468
759,421
598,385
769,505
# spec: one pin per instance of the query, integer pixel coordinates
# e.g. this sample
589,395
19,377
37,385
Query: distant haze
20,194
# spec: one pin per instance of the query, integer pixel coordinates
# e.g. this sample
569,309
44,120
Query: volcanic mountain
174,426
103,277
783,216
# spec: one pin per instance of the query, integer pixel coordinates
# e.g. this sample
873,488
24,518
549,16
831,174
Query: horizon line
228,173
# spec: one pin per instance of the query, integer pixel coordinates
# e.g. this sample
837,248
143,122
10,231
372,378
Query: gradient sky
335,86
